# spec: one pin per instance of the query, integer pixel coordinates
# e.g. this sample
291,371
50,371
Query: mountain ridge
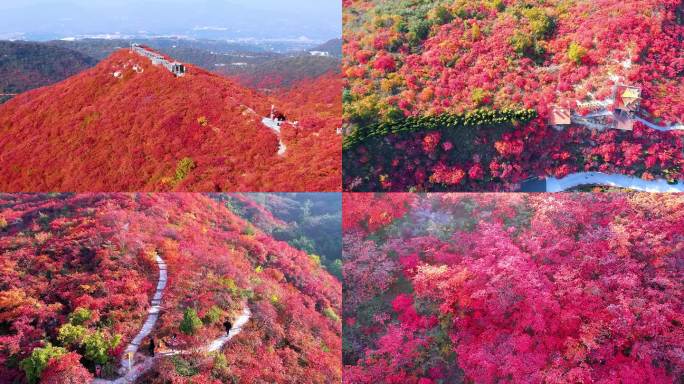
197,132
26,65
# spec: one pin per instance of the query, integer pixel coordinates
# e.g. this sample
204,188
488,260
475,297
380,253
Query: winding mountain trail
152,316
129,374
218,343
573,180
271,124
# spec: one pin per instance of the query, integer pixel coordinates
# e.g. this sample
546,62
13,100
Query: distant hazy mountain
281,72
215,19
102,48
25,66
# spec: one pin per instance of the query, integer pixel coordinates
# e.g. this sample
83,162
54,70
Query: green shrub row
476,118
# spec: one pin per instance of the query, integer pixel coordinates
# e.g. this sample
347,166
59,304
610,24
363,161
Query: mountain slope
316,104
25,65
148,130
306,221
80,268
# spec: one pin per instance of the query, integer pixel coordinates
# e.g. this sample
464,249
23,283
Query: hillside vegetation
78,273
148,130
492,288
306,221
25,65
406,58
282,72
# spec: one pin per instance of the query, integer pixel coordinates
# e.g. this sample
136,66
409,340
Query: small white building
319,53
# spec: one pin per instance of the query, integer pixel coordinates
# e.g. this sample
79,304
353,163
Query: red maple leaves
525,288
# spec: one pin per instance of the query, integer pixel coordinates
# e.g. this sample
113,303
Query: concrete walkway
275,127
148,326
675,127
587,121
621,181
152,316
215,345
237,328
131,374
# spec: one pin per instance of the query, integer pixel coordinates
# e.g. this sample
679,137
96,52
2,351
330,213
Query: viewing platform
178,69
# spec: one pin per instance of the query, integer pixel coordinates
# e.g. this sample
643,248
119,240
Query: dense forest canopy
307,221
490,288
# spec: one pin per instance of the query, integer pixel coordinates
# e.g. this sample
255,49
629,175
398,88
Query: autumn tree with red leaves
66,370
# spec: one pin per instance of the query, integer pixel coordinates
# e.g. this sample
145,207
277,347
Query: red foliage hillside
152,131
432,57
317,106
539,288
66,255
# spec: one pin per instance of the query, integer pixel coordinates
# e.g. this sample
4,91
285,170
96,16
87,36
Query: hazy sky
224,19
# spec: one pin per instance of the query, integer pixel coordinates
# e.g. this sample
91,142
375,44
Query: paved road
597,178
675,127
271,124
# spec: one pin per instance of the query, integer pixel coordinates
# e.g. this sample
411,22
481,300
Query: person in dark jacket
150,347
228,325
278,116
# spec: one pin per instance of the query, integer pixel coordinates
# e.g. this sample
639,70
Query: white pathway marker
621,181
